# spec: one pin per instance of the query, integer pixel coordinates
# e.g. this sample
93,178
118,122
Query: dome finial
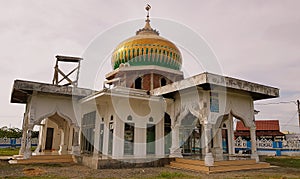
147,25
148,7
147,28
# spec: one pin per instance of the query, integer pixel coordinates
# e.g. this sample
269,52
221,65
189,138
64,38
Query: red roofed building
264,129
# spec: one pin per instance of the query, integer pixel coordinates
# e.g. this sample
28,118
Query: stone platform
42,159
219,166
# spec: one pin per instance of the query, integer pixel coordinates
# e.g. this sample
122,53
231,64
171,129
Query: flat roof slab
22,89
209,81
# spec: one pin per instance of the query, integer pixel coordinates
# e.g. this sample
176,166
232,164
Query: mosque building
147,112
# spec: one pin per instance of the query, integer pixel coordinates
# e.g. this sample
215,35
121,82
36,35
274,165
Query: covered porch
203,112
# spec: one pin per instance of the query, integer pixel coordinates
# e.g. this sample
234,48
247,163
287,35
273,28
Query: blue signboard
214,102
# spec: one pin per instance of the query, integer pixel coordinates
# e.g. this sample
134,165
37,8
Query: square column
175,150
75,146
208,159
253,144
23,141
27,152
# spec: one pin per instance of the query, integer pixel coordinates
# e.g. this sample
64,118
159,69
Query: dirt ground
79,171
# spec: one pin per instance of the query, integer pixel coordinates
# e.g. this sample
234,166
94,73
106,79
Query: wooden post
298,105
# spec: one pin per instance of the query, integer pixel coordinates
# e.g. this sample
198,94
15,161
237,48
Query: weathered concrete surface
22,89
209,81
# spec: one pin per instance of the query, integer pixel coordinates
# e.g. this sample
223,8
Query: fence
265,146
15,142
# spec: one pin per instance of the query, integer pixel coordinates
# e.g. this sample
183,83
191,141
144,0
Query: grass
11,151
293,162
172,175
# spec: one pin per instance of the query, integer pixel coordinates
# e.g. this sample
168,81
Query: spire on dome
147,25
147,28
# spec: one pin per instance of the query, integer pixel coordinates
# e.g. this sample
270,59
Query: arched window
138,83
163,82
129,118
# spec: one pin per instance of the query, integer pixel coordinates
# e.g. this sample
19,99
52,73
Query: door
49,138
225,141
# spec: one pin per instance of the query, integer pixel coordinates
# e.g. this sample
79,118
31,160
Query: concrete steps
43,159
219,166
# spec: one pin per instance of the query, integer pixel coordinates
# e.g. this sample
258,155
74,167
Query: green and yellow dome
147,48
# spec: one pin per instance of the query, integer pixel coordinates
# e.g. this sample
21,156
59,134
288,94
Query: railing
240,143
291,143
264,143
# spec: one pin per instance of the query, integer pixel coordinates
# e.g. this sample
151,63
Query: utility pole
298,105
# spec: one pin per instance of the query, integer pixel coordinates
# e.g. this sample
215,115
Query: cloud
254,40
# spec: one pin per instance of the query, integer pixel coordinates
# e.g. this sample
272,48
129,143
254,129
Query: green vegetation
173,175
14,133
10,132
293,162
11,151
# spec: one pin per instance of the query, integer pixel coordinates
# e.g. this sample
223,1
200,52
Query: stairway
43,159
219,166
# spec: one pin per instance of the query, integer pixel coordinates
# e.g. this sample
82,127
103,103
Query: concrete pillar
175,150
95,157
253,144
218,148
23,141
208,159
75,147
140,143
159,141
27,152
24,134
62,146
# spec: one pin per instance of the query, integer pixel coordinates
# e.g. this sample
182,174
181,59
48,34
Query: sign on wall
214,102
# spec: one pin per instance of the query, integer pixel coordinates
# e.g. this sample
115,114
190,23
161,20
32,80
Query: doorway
150,139
225,140
129,139
49,138
190,136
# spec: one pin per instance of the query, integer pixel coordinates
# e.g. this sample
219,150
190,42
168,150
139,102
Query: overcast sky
255,40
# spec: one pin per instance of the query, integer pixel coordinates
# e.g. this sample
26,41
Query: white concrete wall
43,106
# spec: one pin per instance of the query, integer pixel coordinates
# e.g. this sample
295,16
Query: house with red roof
268,129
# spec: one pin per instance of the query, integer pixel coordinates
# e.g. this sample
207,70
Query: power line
282,102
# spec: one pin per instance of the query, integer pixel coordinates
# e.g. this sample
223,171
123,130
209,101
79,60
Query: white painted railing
291,143
240,143
264,143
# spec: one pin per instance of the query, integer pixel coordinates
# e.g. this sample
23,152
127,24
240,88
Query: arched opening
163,82
55,132
230,141
225,138
138,83
190,136
241,137
167,133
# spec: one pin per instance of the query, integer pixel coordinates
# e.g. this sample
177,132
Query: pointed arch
60,114
247,123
